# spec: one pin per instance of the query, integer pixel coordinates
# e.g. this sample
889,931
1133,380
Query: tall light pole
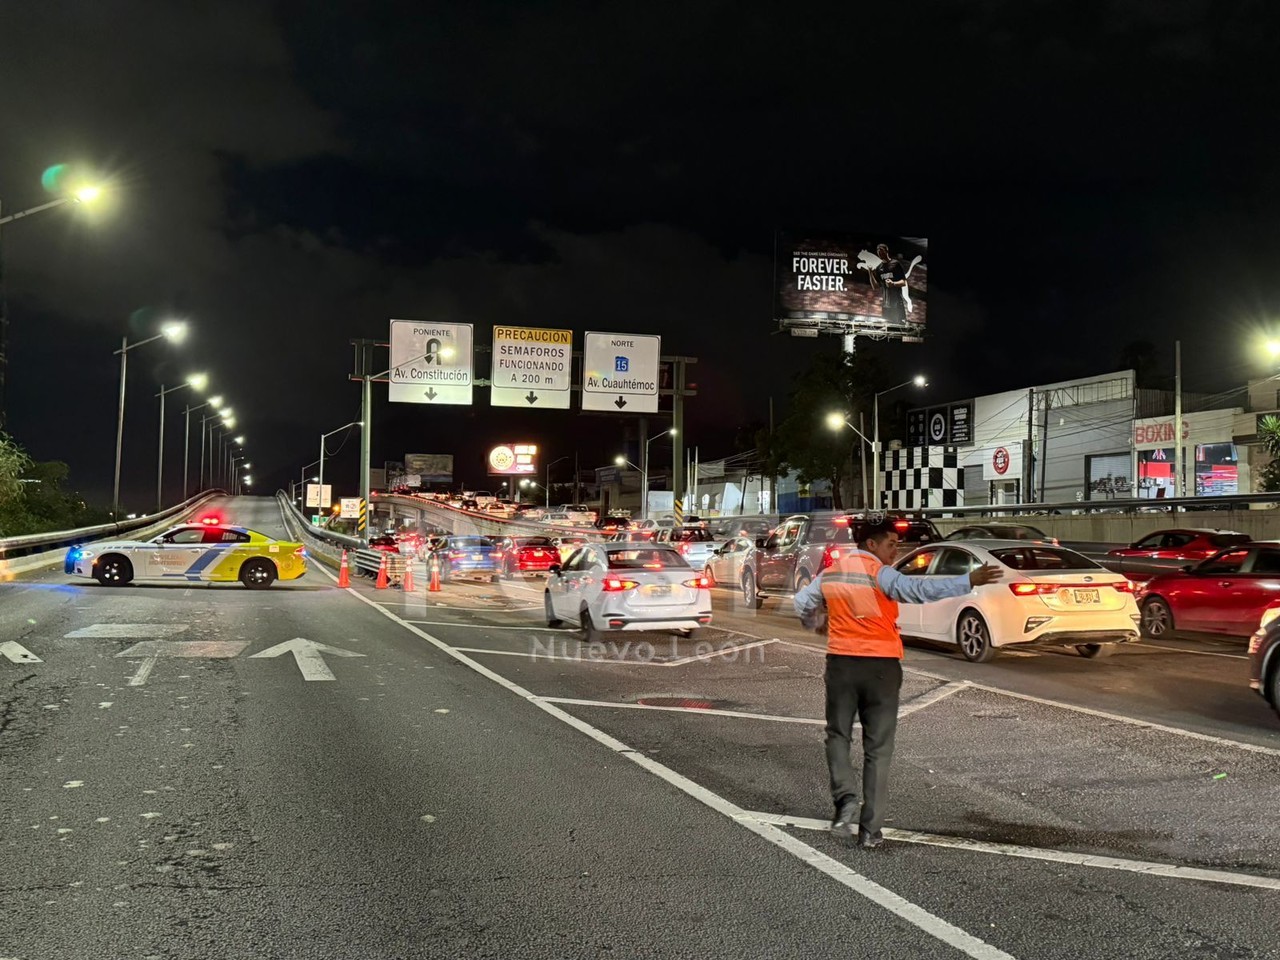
622,461
230,462
186,437
644,473
548,486
197,381
838,421
85,194
173,332
323,437
918,381
206,436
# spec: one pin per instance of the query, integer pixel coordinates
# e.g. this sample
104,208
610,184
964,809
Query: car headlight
1267,616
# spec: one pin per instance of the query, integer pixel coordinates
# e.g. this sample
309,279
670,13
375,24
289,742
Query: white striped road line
916,915
1107,715
1146,867
569,701
930,698
480,626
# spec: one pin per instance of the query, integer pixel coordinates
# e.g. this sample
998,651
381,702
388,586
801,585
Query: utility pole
1178,485
678,472
862,449
1028,453
1044,444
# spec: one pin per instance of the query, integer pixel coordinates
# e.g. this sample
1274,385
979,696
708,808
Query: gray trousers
866,689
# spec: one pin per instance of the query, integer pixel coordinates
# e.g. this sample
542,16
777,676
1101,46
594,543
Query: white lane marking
569,701
1106,715
15,652
930,698
153,650
308,655
917,916
144,671
126,631
479,626
1147,867
1199,653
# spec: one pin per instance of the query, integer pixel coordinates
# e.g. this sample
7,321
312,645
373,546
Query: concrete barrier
1122,529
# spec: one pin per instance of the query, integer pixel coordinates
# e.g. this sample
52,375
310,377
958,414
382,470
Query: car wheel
258,574
1092,651
1272,689
1157,618
552,619
974,637
711,577
590,632
113,570
803,580
690,633
750,597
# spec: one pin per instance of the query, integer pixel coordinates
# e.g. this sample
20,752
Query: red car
1181,544
1224,594
527,555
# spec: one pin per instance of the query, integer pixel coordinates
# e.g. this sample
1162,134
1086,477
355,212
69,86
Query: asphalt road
473,784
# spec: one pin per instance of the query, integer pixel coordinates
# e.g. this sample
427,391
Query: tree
32,498
803,442
1269,434
1141,357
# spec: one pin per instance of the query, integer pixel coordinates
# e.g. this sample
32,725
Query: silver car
696,544
724,568
608,587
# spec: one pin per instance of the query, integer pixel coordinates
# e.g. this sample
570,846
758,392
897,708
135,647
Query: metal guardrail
1131,505
29,544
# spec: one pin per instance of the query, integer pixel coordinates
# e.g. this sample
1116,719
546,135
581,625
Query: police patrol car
205,552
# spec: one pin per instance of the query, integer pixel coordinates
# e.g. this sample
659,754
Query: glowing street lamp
172,331
197,381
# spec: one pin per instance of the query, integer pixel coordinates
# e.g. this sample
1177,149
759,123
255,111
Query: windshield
1043,558
535,542
649,558
469,542
691,535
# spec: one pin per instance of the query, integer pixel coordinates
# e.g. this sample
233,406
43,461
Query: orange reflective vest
861,620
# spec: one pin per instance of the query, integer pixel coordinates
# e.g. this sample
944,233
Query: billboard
946,425
431,467
513,458
868,277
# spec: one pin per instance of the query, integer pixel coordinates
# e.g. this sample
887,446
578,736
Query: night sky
289,176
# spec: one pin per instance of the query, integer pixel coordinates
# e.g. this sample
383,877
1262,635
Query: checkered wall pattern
916,478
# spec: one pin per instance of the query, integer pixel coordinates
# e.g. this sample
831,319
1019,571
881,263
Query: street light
197,381
916,381
172,331
85,194
644,473
323,437
186,440
838,421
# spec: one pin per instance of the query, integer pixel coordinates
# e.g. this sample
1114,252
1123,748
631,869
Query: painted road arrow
619,403
309,656
150,652
532,397
17,653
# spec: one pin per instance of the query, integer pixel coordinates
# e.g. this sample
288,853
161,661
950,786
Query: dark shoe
845,822
869,841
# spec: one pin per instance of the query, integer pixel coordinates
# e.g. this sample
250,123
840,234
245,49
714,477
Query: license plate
1086,596
658,590
477,556
538,553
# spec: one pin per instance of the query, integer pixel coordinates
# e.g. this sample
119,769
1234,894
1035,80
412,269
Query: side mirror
554,569
762,542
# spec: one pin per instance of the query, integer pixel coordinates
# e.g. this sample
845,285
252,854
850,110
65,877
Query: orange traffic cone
434,585
382,574
406,583
344,575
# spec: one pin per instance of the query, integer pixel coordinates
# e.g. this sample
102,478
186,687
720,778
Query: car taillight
684,548
615,585
456,554
830,556
1031,589
698,583
300,552
1124,586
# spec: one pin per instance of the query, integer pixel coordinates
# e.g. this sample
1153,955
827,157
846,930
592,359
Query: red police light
211,520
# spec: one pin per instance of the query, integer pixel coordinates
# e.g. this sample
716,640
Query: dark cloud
292,175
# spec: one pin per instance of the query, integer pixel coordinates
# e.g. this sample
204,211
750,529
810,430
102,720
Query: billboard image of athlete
879,279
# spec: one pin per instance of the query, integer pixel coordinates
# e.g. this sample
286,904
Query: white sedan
627,586
1049,596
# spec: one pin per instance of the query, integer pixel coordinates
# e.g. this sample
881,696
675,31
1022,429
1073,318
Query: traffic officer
860,593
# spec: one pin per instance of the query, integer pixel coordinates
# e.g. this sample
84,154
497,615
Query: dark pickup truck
803,546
